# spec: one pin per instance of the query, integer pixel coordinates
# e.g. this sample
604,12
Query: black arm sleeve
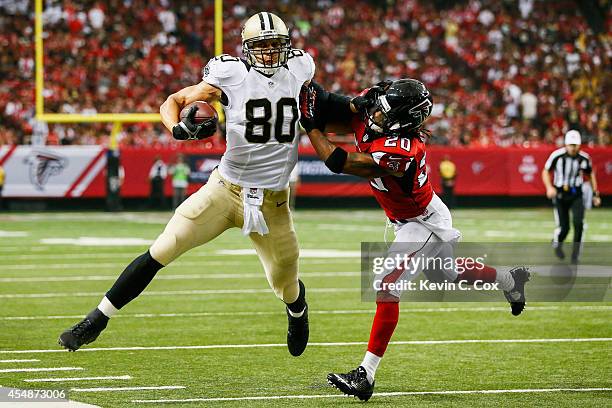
331,107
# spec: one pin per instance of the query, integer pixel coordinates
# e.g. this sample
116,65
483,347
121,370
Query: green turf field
219,302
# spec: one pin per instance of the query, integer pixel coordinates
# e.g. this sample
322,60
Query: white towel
254,220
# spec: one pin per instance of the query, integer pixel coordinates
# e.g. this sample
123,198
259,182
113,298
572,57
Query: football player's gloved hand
187,129
367,100
308,98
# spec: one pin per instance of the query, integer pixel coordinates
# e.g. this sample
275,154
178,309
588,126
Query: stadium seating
502,73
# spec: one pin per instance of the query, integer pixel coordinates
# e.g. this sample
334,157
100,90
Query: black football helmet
403,107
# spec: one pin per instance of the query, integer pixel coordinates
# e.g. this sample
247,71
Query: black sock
134,279
300,303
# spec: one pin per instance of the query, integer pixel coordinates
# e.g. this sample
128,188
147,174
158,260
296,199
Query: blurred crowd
503,73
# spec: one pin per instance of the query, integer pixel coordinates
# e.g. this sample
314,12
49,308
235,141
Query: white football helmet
265,42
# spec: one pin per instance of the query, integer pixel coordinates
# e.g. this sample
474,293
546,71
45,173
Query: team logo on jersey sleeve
393,165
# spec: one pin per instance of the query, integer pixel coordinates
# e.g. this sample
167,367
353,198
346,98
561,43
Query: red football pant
385,320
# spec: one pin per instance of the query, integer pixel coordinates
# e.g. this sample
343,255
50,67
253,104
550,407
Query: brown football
204,113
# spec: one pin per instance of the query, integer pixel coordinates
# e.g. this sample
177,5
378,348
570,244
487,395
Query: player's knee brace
165,249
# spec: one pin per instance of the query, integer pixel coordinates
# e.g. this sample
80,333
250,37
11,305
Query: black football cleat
559,252
516,296
297,333
353,383
84,332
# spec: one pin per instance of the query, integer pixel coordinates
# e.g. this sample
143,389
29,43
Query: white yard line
98,255
304,253
98,241
13,234
100,265
114,389
343,227
31,360
116,377
89,255
178,264
538,235
29,248
503,309
164,293
24,370
92,217
585,271
378,394
331,344
166,277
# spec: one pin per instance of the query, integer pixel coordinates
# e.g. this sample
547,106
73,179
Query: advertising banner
79,171
53,171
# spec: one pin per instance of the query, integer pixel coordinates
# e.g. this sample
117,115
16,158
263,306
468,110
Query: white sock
505,280
107,308
296,315
370,363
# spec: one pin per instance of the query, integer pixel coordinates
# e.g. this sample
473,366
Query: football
204,113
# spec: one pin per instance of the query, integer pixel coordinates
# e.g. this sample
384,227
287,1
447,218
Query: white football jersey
261,118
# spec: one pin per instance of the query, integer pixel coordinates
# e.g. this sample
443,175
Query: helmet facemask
267,54
388,120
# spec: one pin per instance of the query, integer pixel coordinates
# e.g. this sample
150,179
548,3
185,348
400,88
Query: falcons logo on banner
42,166
50,171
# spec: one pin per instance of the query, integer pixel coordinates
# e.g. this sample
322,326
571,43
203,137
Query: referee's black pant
563,204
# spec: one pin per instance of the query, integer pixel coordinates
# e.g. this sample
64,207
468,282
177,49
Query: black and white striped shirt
568,170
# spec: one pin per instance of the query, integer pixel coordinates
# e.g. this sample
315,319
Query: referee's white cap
572,137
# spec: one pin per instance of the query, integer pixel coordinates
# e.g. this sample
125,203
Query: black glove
187,129
308,100
364,102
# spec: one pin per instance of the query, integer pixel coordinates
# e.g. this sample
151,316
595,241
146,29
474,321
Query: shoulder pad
224,70
301,64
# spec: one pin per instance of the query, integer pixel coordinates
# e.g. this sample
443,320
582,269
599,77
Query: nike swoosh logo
429,216
279,204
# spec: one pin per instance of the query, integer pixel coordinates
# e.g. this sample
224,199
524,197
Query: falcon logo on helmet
265,42
404,106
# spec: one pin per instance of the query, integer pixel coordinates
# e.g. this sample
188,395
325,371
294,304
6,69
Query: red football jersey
400,197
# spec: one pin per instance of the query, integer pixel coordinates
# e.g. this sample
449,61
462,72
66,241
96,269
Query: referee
569,167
